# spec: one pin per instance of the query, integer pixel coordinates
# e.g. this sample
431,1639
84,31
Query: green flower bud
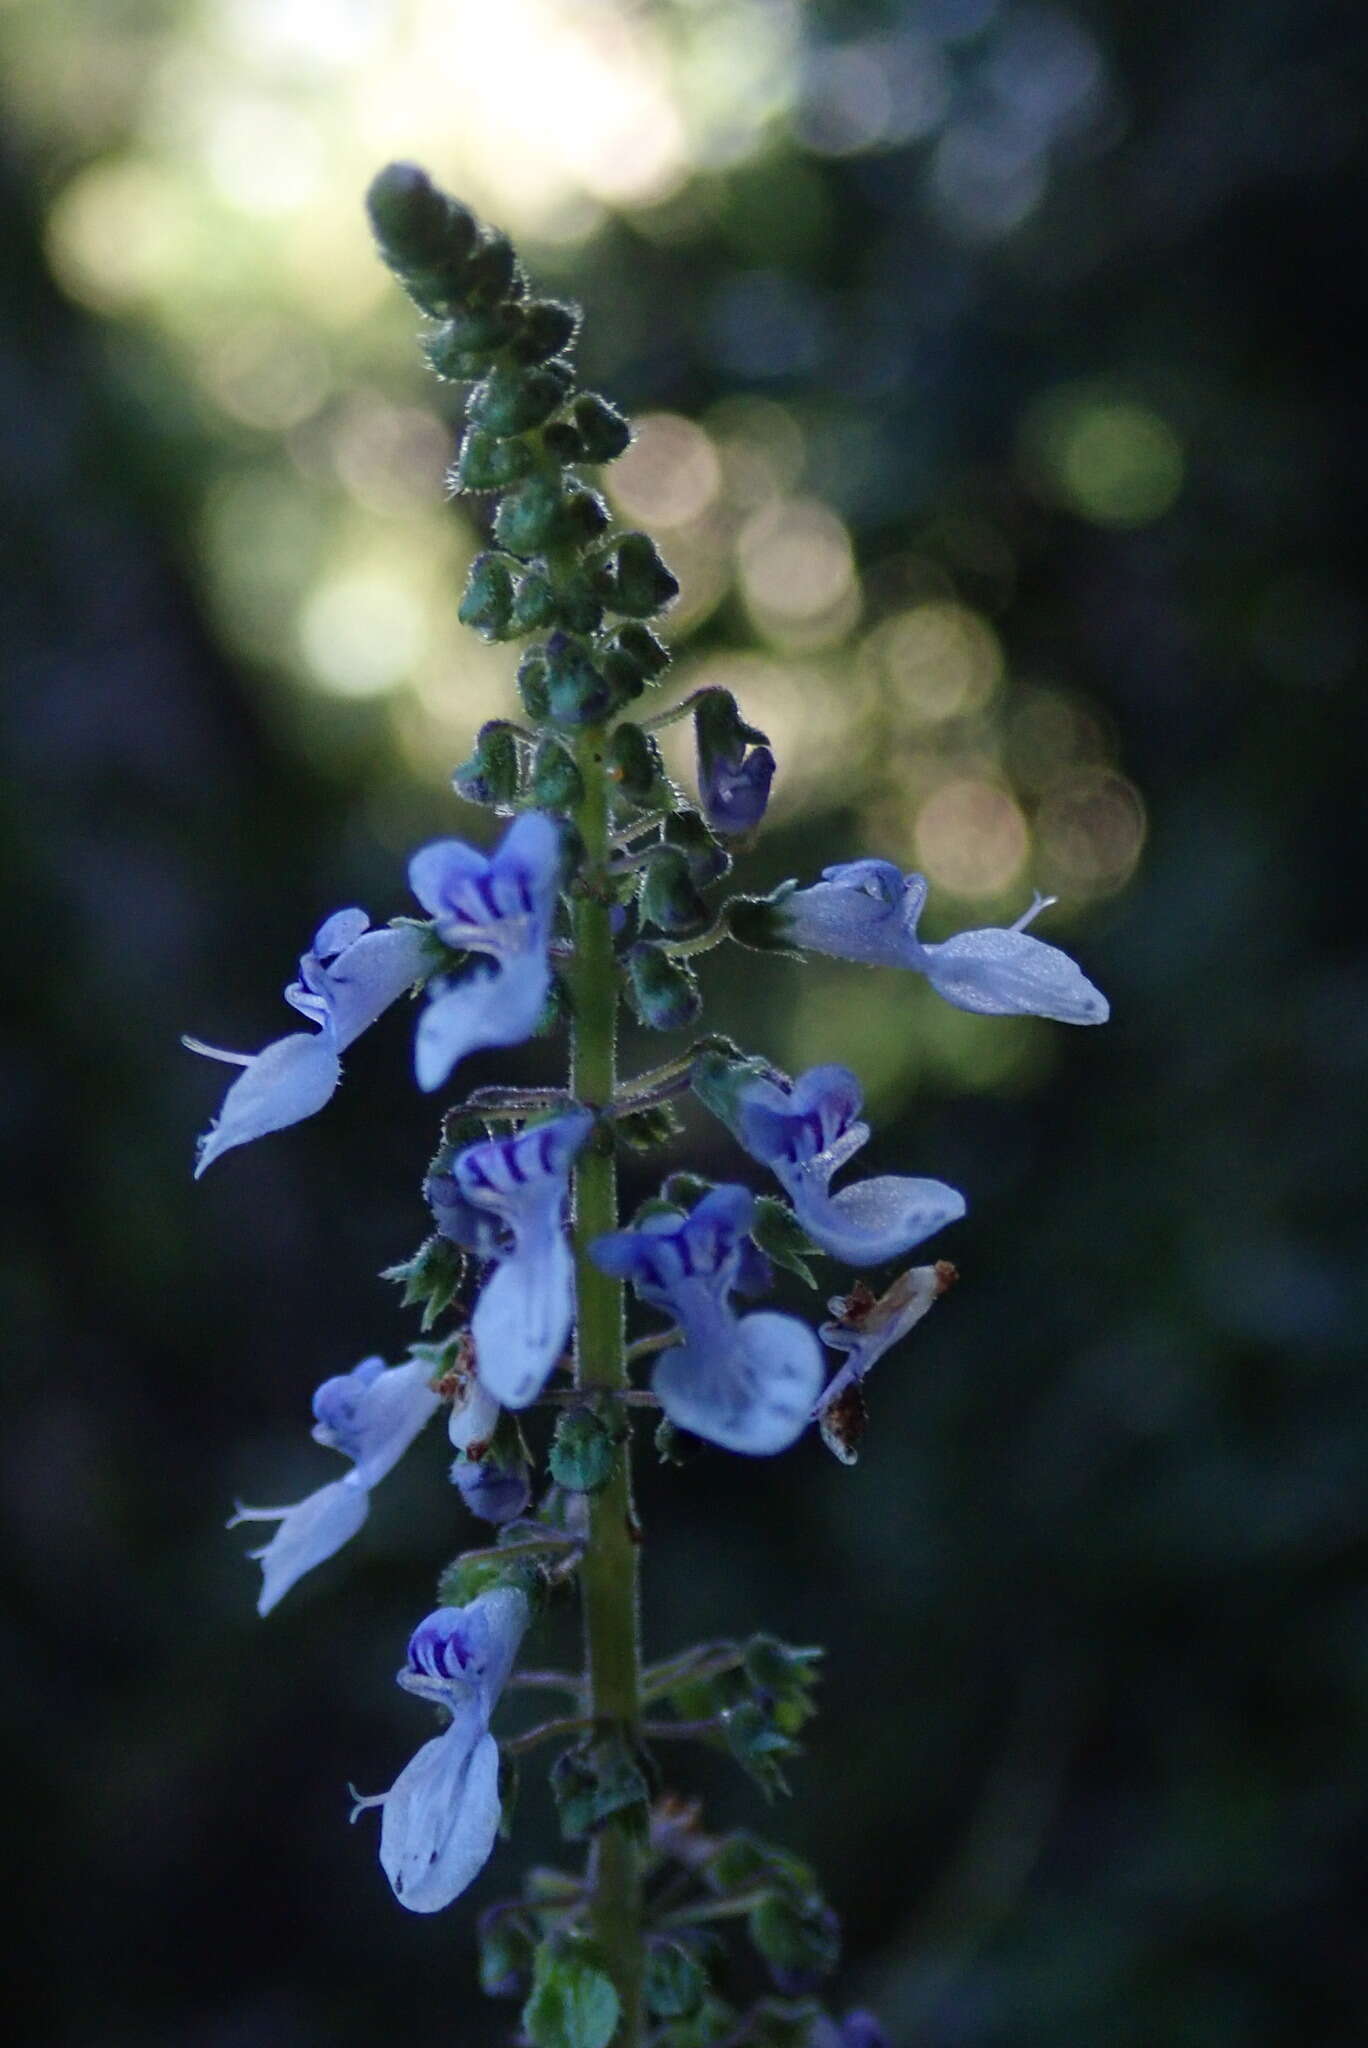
572,2002
488,464
487,605
427,239
576,692
557,784
589,430
514,398
584,1448
633,760
491,270
493,774
631,657
544,328
758,921
467,344
633,580
708,859
544,512
534,606
668,896
532,685
663,993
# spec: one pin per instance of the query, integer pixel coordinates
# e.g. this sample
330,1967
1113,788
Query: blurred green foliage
1002,399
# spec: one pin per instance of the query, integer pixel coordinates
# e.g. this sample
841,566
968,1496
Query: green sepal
544,512
631,656
466,345
576,692
544,327
782,1238
663,992
718,1079
786,1676
589,430
602,1776
493,774
642,1130
432,1277
676,1981
668,897
516,396
707,857
758,1744
491,271
467,1577
507,1942
487,464
532,685
557,784
796,1936
632,579
684,1188
487,605
585,1446
572,2002
758,921
633,760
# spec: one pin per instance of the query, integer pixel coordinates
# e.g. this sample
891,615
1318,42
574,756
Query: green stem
608,1577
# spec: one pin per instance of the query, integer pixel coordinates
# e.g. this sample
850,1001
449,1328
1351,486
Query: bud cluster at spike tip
599,864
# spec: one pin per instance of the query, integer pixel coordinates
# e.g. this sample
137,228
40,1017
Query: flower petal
441,1815
501,1006
309,1533
393,1409
876,1219
755,1395
856,912
1001,973
522,1319
369,975
287,1081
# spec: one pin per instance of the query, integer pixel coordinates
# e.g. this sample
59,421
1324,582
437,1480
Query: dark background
1091,1761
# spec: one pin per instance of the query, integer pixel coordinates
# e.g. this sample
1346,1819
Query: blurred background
1001,409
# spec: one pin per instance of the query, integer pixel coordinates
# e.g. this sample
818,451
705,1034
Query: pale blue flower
866,910
505,1199
371,1416
745,1383
501,904
441,1815
347,978
805,1131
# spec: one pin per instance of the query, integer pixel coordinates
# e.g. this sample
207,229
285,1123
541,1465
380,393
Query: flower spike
501,904
441,1816
505,1199
347,978
747,1384
805,1131
371,1416
866,910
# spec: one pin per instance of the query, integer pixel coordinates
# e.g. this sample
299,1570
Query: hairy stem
608,1577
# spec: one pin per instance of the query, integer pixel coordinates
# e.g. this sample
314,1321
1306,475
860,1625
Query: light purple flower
440,1817
505,1199
805,1131
501,904
371,1416
745,1383
347,978
866,910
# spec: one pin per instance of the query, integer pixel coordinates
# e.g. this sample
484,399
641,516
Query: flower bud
491,270
735,765
487,464
631,657
487,606
557,784
632,579
668,896
493,774
663,993
544,327
466,345
576,692
426,238
544,512
532,685
708,861
589,430
584,1448
514,397
633,760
